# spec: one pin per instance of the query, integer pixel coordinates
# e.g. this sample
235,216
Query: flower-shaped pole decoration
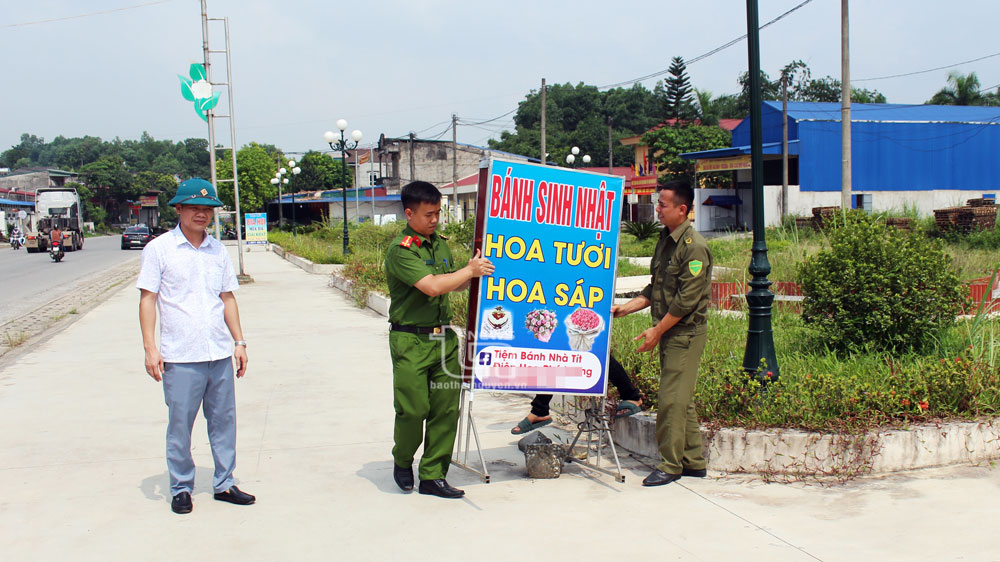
198,90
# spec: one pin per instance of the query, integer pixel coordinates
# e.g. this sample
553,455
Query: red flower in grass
924,405
904,402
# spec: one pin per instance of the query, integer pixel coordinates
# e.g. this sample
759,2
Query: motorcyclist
16,238
55,236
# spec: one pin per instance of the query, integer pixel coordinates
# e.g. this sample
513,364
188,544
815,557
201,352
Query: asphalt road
27,281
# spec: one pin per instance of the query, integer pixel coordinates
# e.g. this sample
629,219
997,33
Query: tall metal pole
290,188
371,164
343,167
544,159
211,113
232,151
760,340
611,148
784,145
454,166
845,111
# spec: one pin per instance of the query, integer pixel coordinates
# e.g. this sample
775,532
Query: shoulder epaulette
407,241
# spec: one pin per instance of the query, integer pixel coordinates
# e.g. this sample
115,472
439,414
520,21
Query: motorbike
56,252
229,233
16,241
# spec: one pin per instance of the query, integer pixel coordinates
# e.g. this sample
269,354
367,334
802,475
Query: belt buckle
437,330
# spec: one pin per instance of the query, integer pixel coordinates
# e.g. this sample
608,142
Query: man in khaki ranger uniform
426,376
680,293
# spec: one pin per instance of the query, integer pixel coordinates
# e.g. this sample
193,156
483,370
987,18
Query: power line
487,120
701,56
88,14
924,71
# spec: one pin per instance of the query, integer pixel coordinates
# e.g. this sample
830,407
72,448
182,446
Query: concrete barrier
781,451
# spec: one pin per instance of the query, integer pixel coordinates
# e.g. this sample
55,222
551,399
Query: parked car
136,237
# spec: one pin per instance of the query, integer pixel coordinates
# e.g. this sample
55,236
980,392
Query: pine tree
677,104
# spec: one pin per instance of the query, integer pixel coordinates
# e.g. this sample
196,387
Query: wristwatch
240,342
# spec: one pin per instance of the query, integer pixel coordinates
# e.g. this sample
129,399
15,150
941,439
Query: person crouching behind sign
426,381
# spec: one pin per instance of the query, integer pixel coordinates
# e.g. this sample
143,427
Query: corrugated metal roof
890,112
4,201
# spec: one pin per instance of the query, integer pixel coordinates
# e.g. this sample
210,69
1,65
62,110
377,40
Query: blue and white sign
544,322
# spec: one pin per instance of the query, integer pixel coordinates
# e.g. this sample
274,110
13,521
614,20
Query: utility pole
454,165
611,149
544,159
845,111
211,113
784,145
413,172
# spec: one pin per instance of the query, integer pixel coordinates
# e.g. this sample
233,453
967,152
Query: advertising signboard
543,319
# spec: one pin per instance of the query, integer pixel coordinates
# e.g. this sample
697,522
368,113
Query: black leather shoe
234,495
694,472
659,478
181,503
403,477
439,488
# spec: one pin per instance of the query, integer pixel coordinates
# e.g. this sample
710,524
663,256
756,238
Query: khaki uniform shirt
410,258
681,283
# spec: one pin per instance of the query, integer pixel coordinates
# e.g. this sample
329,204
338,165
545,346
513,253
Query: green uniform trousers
426,382
677,432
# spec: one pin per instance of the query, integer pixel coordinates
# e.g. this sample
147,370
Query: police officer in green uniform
680,293
426,376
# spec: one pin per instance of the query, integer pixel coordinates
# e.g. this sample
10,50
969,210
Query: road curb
59,312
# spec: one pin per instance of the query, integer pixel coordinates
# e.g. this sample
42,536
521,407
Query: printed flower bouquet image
582,327
497,324
541,323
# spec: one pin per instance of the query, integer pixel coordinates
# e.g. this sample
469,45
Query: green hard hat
196,191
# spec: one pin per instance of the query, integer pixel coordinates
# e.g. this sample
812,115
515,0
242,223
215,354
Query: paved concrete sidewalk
82,473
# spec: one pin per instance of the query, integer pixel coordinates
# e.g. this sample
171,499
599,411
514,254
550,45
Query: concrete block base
803,453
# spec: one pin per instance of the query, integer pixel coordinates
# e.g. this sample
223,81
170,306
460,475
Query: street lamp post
294,170
760,339
276,180
343,146
571,157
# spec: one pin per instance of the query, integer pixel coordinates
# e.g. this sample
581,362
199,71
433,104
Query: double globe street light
571,157
281,181
342,145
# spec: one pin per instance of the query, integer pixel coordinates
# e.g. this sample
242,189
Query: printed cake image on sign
497,325
582,327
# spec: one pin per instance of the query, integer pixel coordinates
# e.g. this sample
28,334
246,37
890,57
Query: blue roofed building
903,156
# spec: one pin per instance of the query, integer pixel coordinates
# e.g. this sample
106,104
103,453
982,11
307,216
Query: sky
108,68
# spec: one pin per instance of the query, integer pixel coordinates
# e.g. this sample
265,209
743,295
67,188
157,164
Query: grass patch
820,390
628,269
14,339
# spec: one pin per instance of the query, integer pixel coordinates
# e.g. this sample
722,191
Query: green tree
23,154
677,89
256,168
112,183
667,143
961,90
578,116
321,171
879,288
706,109
92,211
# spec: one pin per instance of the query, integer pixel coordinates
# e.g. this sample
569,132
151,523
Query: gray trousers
187,387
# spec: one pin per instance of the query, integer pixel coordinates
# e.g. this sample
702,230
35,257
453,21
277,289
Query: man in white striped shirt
188,277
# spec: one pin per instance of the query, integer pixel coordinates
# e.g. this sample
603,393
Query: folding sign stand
596,420
467,428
